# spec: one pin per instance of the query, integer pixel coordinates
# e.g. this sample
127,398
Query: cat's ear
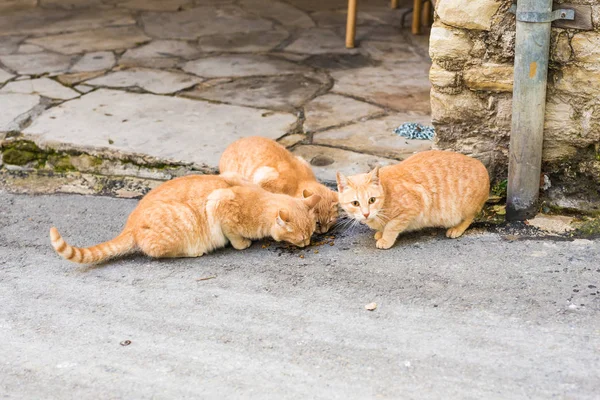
374,176
342,182
306,193
311,201
283,217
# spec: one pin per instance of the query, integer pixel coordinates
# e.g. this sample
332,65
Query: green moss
18,157
95,161
499,189
588,228
24,145
61,163
25,152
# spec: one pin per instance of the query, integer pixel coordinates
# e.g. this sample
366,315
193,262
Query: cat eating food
270,165
193,215
429,189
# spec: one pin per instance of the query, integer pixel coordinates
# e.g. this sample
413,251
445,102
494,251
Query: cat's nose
367,214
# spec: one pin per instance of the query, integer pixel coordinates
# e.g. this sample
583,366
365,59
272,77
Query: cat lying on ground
193,215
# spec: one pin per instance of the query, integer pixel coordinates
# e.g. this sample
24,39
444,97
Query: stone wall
472,48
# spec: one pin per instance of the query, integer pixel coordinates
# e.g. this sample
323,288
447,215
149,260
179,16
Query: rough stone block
469,14
440,77
492,77
569,126
586,46
449,45
463,107
561,51
578,80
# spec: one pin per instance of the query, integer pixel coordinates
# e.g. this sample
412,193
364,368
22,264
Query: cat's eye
372,200
355,203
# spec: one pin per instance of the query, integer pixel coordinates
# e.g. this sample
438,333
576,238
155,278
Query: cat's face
326,210
295,222
361,196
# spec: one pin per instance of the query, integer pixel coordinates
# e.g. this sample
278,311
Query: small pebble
371,306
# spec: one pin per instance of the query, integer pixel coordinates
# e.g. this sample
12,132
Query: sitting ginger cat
193,215
428,189
270,165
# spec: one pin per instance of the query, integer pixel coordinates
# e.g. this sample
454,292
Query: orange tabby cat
193,215
428,189
277,170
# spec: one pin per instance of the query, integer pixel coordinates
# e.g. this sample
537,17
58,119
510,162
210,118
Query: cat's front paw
384,244
241,244
378,235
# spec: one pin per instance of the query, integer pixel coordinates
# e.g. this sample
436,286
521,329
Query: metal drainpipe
532,48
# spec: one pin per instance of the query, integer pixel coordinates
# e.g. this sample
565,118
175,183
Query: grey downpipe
532,48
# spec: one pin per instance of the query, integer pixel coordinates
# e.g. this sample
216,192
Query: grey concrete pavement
479,317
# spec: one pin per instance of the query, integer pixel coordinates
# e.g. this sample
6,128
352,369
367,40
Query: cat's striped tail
122,244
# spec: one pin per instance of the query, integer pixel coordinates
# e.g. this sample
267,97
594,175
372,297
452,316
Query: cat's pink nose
367,214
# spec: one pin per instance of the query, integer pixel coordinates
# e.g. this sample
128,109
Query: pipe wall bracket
542,17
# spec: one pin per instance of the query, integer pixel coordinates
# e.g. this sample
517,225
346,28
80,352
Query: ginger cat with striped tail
429,189
273,167
194,215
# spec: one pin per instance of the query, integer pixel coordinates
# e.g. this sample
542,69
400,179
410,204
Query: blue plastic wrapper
413,130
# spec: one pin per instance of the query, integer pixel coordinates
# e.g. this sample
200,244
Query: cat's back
186,188
247,154
437,164
254,156
444,173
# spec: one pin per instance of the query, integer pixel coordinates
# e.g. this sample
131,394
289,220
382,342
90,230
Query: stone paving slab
332,110
43,87
288,16
376,137
39,63
155,5
325,161
10,44
15,105
93,40
4,76
73,4
319,41
154,81
202,21
284,93
160,54
403,87
240,66
96,61
166,128
391,52
51,21
29,48
245,42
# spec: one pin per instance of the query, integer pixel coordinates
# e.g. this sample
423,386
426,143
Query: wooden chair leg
416,22
351,24
394,4
427,15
